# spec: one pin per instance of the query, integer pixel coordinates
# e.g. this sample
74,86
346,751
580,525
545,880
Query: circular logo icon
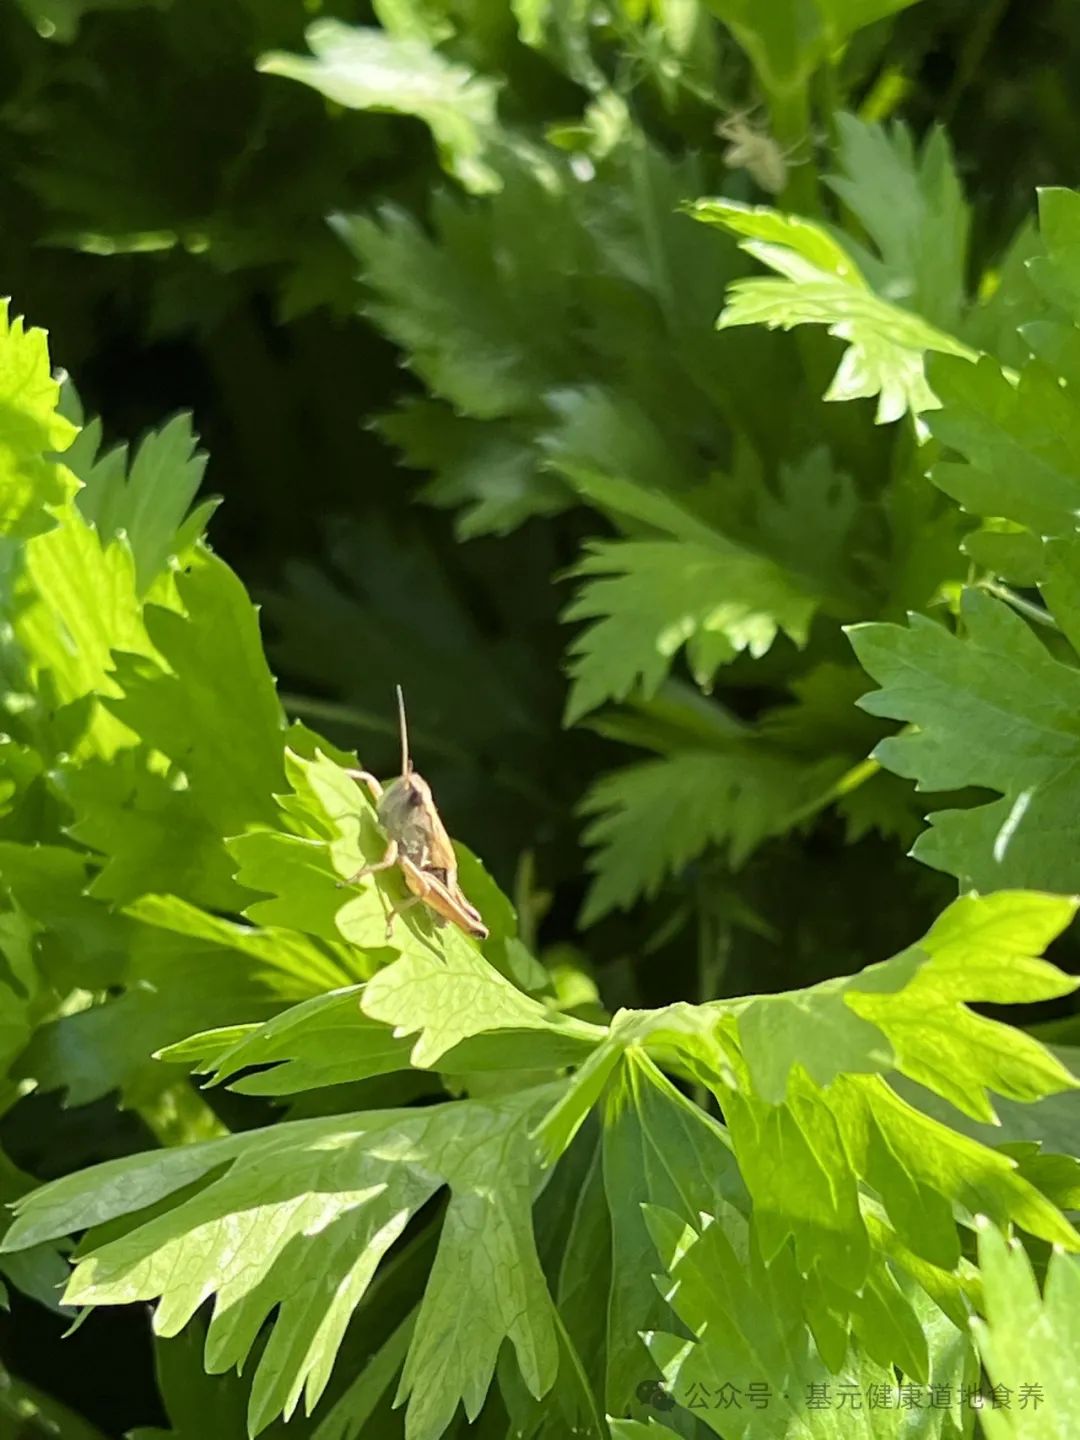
656,1394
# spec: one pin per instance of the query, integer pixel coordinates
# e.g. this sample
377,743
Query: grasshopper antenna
406,762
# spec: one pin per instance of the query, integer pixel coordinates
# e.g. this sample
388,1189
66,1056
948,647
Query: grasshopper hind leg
402,905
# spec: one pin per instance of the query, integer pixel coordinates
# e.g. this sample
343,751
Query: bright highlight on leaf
30,478
821,285
368,69
804,1083
150,503
299,1217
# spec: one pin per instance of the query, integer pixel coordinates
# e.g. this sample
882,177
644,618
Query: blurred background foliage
443,360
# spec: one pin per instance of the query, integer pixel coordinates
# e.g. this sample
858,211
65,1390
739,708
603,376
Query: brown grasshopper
418,845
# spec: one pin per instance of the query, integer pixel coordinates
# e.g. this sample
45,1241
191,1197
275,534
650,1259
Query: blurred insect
757,152
418,845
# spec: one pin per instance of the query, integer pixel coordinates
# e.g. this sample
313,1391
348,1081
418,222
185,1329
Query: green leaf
812,1119
147,833
659,1149
470,1018
1056,272
214,685
110,673
912,207
621,459
319,1203
322,1041
207,703
589,1082
184,971
196,1403
40,1272
1005,428
487,354
366,69
193,686
796,536
1007,549
1009,299
653,597
87,943
787,40
457,996
1052,1124
801,1082
805,1162
1027,1341
748,1324
326,831
908,1013
821,285
32,430
843,18
332,831
994,709
784,42
20,984
806,525
639,1430
151,504
359,1401
585,1272
1002,425
64,646
686,582
23,1405
490,470
651,819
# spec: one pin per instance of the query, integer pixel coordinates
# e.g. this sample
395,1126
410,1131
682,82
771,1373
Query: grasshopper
753,149
418,845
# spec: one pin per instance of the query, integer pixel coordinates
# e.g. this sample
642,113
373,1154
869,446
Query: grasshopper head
405,808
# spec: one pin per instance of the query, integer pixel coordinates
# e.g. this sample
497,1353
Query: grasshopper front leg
390,857
375,786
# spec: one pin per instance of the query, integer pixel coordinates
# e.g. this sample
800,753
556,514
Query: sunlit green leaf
367,69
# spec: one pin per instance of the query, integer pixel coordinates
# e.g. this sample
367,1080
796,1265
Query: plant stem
645,202
713,953
977,42
831,100
1030,611
789,113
